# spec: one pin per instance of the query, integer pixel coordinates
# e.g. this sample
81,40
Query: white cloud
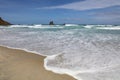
87,5
109,17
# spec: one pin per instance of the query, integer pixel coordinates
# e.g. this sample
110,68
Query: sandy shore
21,65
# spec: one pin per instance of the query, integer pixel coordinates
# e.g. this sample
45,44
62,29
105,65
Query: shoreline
18,64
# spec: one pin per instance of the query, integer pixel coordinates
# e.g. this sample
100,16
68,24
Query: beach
20,65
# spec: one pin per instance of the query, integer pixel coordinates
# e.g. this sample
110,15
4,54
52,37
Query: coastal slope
3,22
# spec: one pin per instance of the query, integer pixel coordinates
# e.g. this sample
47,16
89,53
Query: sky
60,11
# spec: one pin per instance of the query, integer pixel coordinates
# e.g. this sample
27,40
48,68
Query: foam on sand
20,65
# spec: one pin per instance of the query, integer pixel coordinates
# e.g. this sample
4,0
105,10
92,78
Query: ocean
86,52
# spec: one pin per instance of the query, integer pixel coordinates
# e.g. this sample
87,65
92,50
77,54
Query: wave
71,25
89,26
44,27
80,53
109,28
35,26
105,27
18,26
66,26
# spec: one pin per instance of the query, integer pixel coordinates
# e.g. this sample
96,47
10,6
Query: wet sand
21,65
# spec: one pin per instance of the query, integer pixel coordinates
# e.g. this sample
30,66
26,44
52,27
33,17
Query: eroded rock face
2,22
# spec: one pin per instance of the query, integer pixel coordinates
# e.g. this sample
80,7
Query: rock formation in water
51,23
2,22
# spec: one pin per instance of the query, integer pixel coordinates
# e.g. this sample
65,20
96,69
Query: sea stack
51,23
2,22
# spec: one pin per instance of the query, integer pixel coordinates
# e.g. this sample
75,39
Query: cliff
2,22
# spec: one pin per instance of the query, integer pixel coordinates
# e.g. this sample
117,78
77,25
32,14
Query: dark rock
51,23
63,24
2,22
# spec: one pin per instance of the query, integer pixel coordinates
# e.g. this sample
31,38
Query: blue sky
61,11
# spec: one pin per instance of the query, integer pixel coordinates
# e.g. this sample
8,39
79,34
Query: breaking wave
86,52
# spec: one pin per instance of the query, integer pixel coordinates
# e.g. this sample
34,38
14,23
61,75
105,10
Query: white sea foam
104,27
17,26
109,28
35,26
71,25
86,54
89,26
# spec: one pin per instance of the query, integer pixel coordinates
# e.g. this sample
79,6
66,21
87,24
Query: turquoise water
86,52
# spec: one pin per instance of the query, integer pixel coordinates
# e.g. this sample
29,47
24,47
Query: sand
21,65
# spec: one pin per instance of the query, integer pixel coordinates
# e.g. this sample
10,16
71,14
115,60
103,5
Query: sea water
86,52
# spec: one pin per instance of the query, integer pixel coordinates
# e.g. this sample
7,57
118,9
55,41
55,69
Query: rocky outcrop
51,23
2,22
